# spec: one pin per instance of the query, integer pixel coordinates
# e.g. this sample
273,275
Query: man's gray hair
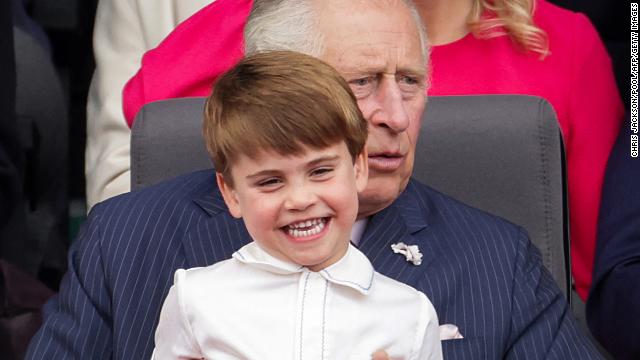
292,25
283,25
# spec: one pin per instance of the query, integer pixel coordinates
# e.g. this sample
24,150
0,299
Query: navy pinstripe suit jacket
481,273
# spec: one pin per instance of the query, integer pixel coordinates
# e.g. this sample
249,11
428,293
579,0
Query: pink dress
576,79
187,61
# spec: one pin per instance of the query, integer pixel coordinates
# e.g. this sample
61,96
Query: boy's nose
299,198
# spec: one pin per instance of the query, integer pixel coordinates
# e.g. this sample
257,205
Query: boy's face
298,208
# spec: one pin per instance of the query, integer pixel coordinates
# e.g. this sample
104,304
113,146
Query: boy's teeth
306,228
305,224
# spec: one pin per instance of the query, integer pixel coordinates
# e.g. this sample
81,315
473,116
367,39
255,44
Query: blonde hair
493,18
282,101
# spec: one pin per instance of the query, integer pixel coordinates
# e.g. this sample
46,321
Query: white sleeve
119,44
427,345
174,338
123,31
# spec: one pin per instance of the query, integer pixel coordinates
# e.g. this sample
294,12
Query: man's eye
361,81
409,80
410,85
362,87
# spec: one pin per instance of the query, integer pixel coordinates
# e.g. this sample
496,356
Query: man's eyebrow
412,70
361,68
372,68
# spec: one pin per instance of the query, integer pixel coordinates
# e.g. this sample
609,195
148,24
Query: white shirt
255,306
358,230
123,31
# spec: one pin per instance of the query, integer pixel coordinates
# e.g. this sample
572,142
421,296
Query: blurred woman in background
533,47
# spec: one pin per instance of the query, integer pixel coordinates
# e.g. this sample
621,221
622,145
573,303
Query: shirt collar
354,269
357,230
254,255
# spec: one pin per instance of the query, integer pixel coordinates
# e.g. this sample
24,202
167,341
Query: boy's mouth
306,228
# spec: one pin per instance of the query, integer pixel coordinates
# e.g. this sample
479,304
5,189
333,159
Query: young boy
287,140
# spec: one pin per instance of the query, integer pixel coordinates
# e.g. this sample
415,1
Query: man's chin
380,192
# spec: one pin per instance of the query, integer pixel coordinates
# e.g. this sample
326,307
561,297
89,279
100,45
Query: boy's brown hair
280,101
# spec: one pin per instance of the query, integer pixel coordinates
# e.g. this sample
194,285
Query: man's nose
299,197
390,108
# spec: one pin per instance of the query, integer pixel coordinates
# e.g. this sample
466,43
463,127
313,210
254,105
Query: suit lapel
399,222
216,236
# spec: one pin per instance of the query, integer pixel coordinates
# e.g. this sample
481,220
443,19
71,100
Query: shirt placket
312,314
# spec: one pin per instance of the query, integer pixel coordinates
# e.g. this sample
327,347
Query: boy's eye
321,172
270,182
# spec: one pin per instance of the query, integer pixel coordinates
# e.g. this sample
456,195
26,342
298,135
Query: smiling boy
287,140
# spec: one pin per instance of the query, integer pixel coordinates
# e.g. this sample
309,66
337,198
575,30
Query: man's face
375,45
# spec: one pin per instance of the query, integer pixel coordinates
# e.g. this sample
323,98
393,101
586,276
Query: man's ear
361,168
229,195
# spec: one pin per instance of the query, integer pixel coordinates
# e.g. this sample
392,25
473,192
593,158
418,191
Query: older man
485,279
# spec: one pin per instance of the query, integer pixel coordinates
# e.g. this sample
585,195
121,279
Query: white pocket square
450,332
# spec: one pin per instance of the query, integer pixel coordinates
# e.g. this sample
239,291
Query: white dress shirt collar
353,270
357,230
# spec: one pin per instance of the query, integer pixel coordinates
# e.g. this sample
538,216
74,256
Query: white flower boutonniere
411,252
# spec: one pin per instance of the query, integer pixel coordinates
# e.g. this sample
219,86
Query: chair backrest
500,153
166,141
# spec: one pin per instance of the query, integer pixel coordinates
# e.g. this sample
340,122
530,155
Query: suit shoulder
149,217
179,191
452,211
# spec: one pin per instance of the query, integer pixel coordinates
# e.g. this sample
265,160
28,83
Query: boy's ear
229,195
361,168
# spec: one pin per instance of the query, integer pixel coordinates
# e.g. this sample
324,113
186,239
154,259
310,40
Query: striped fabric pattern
480,272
